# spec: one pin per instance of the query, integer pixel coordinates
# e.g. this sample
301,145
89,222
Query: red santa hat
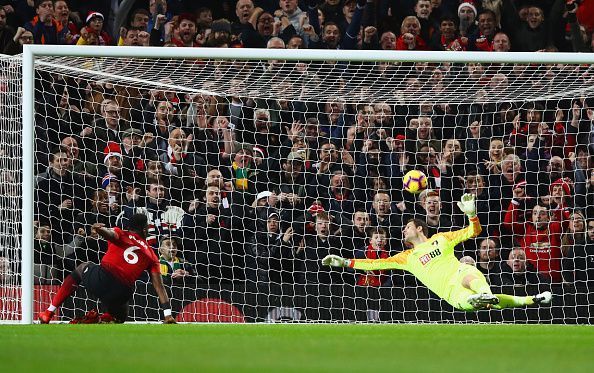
315,208
93,14
258,151
564,184
469,4
112,149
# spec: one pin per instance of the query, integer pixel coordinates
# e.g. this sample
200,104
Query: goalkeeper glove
467,206
335,261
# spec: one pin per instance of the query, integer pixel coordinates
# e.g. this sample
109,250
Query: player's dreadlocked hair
137,223
420,223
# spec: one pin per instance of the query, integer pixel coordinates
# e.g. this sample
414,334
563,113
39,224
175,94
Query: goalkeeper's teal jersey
433,262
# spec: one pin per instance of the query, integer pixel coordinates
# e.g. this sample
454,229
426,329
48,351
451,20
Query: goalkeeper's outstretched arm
397,261
473,229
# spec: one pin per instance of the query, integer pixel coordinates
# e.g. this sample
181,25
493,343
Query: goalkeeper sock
68,287
511,301
480,285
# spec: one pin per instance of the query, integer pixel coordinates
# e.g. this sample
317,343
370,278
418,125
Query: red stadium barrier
210,310
10,308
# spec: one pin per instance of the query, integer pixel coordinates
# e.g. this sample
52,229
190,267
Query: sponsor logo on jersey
427,257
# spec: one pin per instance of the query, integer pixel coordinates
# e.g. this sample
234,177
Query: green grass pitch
296,348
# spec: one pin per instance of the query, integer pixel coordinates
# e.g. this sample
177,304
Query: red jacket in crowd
542,246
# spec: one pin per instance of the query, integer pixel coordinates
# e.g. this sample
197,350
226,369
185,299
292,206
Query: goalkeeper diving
432,261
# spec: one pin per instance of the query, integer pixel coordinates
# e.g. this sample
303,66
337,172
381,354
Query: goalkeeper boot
482,300
543,298
45,317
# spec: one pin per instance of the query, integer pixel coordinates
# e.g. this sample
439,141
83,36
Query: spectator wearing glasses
259,29
94,24
15,45
110,126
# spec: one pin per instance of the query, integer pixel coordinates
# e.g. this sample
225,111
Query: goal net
10,187
251,170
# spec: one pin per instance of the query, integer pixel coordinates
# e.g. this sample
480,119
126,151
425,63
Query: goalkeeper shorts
459,294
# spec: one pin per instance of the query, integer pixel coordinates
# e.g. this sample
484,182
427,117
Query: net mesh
406,82
250,172
10,187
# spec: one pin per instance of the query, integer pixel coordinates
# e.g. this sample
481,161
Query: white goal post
32,52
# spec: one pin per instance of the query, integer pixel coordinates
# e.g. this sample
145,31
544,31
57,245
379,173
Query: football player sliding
128,256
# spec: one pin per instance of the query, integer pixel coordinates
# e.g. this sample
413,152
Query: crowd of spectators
456,25
246,189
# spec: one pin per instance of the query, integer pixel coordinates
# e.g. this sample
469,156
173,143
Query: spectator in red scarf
376,249
482,40
410,35
66,19
186,27
88,36
94,24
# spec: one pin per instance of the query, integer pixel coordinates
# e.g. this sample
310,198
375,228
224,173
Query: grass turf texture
298,348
